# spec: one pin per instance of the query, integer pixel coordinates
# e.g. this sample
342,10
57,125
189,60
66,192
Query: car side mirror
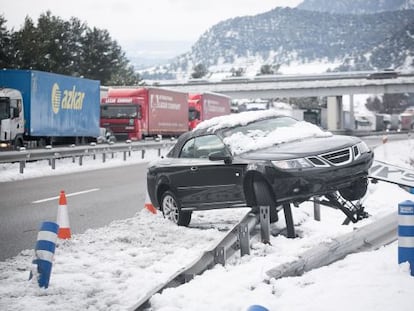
219,156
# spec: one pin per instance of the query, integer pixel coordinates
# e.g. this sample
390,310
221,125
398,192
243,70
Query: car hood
302,148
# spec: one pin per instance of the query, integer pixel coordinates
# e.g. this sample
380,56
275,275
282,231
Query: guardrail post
244,238
289,221
80,160
103,157
265,224
53,163
73,159
94,156
142,153
125,155
220,255
112,154
159,152
316,209
22,166
406,233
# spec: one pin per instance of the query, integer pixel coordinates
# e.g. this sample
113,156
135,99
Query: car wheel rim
170,209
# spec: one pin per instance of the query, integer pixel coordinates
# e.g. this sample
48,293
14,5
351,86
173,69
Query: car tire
356,191
171,209
264,198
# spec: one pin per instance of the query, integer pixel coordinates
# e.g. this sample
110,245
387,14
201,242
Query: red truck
136,113
205,106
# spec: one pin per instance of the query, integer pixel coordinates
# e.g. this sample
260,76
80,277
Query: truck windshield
4,108
193,114
120,112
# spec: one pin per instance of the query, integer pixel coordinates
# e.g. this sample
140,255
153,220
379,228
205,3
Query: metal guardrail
51,154
372,236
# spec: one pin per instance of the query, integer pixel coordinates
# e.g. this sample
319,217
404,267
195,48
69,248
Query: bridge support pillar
335,113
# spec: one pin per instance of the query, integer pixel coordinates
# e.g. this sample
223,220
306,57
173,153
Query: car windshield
268,132
119,111
265,126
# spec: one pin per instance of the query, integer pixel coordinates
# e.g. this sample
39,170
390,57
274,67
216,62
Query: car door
209,184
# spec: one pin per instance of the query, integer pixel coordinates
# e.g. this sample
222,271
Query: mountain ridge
285,35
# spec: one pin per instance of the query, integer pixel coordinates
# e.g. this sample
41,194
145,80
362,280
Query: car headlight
363,147
359,149
293,164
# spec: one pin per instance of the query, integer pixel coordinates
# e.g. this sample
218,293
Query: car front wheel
171,210
356,191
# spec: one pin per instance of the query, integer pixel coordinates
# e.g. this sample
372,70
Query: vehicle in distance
383,74
41,108
204,106
256,158
137,113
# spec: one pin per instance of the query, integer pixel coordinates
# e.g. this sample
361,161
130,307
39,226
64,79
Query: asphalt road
94,199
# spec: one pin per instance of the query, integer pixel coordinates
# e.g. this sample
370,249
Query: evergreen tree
199,71
5,44
24,41
66,47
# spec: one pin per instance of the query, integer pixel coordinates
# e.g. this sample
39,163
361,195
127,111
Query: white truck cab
11,118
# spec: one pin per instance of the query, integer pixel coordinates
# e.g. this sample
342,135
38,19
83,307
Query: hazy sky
147,20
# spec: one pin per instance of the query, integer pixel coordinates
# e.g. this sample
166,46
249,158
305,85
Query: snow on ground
112,267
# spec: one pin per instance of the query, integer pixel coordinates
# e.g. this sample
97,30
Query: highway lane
95,198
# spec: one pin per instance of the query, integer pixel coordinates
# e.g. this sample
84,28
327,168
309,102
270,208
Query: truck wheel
18,143
264,198
356,191
171,210
42,142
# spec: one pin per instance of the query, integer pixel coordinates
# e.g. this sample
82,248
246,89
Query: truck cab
204,106
11,118
194,113
122,116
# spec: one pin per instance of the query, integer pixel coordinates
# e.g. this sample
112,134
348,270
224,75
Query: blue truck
41,108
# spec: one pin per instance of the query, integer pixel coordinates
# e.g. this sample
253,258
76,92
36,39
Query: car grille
335,158
338,157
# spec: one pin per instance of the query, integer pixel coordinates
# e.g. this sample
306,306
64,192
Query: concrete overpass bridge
331,85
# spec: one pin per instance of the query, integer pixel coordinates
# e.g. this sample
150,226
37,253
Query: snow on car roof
253,140
232,120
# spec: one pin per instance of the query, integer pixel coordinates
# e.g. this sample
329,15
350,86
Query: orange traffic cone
63,218
148,204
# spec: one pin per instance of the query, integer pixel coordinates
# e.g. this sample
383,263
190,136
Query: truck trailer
204,106
39,108
137,113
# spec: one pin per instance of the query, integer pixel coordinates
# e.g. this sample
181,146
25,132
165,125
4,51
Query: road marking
67,195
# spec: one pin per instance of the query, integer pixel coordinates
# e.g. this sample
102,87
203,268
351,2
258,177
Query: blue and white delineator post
406,233
44,252
257,308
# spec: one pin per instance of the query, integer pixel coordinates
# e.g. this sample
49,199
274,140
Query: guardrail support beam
265,224
244,238
289,221
316,209
22,165
220,256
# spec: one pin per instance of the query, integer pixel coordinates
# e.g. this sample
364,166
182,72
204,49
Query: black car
252,159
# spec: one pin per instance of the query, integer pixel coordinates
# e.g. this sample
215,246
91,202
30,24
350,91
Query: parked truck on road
205,106
136,113
40,108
